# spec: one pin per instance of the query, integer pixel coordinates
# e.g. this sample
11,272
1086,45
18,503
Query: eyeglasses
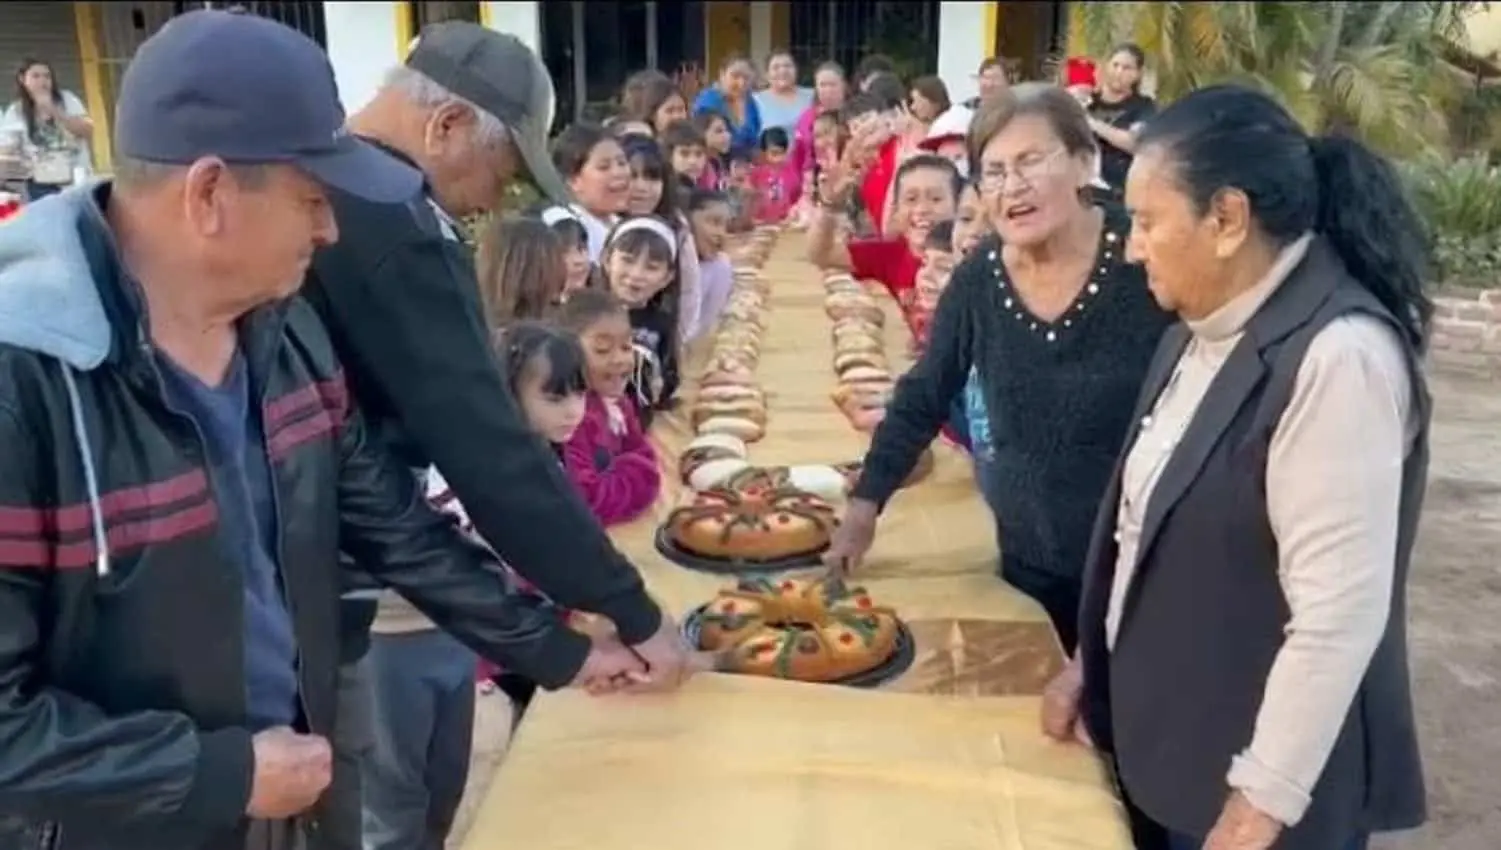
1029,169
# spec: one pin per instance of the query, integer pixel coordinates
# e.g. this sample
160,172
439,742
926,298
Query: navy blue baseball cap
249,91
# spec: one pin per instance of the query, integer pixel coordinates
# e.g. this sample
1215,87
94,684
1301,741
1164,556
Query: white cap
953,122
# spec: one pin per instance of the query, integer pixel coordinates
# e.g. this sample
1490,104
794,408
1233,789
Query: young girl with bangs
578,269
654,192
718,139
543,366
522,269
709,216
640,268
608,456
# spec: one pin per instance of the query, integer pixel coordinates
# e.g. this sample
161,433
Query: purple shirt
715,279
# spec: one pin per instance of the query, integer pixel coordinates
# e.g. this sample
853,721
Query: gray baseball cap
498,73
250,91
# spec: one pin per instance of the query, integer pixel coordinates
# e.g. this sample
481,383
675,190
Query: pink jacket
800,158
614,467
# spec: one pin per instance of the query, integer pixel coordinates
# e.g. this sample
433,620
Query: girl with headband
640,267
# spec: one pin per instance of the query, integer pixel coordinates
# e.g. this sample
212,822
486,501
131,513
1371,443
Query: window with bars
847,32
590,48
121,28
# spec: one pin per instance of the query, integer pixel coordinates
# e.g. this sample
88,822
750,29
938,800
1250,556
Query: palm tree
1372,69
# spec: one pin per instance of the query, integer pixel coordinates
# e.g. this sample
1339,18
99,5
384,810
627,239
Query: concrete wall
1467,332
367,38
521,19
966,37
364,40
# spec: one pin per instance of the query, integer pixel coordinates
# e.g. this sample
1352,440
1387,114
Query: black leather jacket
122,692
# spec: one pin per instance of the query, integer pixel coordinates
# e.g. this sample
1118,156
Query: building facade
588,47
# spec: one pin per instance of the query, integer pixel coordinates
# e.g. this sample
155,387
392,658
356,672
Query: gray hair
422,91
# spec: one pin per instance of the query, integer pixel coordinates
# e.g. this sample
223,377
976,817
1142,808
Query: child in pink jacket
608,457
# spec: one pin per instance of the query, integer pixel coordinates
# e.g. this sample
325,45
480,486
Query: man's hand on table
1242,826
662,662
609,667
857,530
669,660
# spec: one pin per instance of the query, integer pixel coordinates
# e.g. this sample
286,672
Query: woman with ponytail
1243,651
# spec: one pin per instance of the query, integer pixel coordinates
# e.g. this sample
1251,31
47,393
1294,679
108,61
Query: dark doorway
846,32
590,48
1030,37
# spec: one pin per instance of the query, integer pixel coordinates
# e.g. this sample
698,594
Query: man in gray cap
471,109
180,466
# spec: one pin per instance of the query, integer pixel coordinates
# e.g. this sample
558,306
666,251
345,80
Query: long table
947,756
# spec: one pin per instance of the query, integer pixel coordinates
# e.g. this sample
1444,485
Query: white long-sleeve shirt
1333,493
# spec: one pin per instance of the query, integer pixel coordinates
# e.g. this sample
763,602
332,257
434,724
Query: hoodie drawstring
646,366
90,475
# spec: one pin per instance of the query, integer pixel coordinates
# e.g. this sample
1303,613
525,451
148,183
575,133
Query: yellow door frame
1074,35
406,25
992,24
90,48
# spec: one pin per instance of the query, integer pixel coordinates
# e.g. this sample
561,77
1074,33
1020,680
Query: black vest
1177,697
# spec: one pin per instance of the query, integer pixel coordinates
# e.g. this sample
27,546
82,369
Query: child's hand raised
836,184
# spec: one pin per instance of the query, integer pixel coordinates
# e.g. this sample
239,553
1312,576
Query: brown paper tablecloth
947,756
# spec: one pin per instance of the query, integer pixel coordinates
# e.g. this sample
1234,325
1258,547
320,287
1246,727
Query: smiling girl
718,140
574,239
522,270
653,193
608,456
640,269
709,215
543,368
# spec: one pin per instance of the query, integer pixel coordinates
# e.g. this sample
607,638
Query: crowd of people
294,467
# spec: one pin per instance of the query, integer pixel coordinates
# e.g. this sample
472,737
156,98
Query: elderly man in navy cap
180,465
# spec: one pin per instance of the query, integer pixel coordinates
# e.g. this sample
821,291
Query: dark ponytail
1368,219
1224,137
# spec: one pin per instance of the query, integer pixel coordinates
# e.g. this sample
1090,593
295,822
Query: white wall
963,43
521,19
361,46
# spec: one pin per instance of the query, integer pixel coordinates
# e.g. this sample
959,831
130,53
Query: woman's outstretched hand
1060,706
853,538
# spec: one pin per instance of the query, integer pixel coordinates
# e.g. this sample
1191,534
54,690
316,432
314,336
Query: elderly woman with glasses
1059,329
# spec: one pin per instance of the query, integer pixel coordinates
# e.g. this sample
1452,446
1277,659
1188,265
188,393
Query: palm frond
1374,69
1373,92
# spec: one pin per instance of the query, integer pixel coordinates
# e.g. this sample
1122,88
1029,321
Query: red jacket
877,183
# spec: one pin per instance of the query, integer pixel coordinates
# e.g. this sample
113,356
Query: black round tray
737,566
901,658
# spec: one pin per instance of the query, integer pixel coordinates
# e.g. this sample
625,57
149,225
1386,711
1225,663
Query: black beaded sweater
1059,395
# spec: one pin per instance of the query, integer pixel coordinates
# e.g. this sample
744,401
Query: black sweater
1059,395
